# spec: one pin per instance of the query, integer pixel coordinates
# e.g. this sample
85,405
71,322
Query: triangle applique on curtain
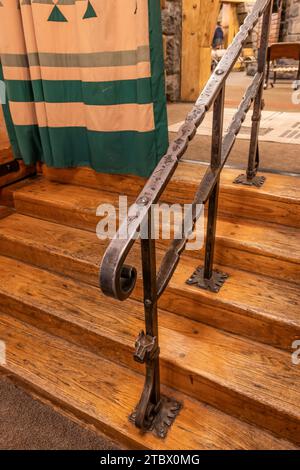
56,15
90,12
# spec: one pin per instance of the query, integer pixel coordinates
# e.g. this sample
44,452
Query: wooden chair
287,50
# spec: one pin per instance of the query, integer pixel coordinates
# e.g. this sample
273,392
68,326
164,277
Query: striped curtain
85,83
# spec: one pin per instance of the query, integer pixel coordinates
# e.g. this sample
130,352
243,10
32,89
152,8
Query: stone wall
242,11
253,40
291,29
172,30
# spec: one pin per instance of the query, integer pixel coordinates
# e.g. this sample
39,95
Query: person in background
218,39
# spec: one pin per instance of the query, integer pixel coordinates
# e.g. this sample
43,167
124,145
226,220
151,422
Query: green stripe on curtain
74,91
65,147
9,124
113,152
158,78
92,59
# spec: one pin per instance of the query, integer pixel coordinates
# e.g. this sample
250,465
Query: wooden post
199,18
230,22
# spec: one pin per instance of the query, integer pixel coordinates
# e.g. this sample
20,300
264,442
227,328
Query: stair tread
280,187
186,179
278,200
275,240
249,369
70,196
244,291
105,393
271,240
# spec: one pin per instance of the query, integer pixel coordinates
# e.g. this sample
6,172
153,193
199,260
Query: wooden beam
230,22
199,18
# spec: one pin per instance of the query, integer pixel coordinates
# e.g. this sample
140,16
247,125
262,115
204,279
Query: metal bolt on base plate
257,181
213,284
163,418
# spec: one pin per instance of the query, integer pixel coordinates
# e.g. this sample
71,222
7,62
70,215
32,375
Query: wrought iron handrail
118,279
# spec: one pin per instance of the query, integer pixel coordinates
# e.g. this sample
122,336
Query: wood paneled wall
199,22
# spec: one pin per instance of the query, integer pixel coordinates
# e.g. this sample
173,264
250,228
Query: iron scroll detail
113,260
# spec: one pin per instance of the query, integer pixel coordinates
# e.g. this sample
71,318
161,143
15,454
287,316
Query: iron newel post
154,411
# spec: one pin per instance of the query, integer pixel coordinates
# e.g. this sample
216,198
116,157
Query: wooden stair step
266,249
65,204
5,211
254,306
66,250
7,192
247,379
258,307
103,394
278,200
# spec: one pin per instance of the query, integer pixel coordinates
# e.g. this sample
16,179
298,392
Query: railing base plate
213,284
168,410
257,181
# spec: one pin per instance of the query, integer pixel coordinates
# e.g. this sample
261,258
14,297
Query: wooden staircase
226,356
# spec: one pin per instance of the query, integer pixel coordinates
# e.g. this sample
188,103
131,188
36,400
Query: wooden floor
226,356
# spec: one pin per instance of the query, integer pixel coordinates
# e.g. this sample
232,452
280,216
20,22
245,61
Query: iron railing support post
251,178
216,150
154,412
206,277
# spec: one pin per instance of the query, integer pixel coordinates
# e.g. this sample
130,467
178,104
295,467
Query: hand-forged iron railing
155,412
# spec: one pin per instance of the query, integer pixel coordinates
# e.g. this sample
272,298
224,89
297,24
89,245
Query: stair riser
236,257
236,204
265,210
199,387
47,259
194,306
7,192
233,255
233,201
103,346
237,321
72,218
5,211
